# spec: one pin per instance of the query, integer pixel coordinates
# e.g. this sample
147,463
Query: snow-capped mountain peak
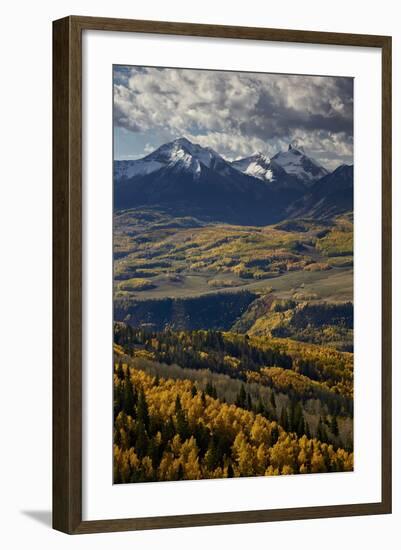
296,163
257,165
183,154
179,154
181,150
295,145
181,157
185,177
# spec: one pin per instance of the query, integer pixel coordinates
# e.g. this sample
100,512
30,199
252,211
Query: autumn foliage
168,429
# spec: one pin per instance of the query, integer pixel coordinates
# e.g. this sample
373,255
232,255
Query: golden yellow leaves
208,438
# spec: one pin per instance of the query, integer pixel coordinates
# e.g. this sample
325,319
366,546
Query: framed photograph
222,275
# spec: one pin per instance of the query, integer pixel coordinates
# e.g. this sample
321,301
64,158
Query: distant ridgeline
183,178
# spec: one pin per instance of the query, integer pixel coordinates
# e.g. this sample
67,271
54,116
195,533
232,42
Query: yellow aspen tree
245,456
133,459
124,438
217,473
147,467
262,457
317,462
284,452
124,467
259,431
176,445
166,466
190,460
272,471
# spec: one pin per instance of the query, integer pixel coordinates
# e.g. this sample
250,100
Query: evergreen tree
177,404
202,436
180,472
182,425
301,427
211,457
273,400
142,441
118,401
321,431
274,435
249,402
128,397
334,426
241,397
294,415
260,409
167,431
211,390
142,412
284,418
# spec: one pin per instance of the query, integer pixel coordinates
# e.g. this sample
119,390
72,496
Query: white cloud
238,113
230,146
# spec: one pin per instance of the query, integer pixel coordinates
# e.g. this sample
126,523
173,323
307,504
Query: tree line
302,375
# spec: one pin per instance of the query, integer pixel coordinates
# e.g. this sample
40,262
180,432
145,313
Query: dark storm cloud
272,117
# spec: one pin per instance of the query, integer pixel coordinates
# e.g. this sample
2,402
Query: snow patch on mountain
181,149
254,169
291,169
181,158
179,154
296,163
257,165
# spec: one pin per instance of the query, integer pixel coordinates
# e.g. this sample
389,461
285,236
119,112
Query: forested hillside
198,404
171,430
233,348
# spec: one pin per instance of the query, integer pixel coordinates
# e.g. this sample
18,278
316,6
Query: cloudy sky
237,114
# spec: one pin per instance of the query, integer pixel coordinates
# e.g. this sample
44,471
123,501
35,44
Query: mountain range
185,178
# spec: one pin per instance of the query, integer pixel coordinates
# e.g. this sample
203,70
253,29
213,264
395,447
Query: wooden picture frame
67,274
